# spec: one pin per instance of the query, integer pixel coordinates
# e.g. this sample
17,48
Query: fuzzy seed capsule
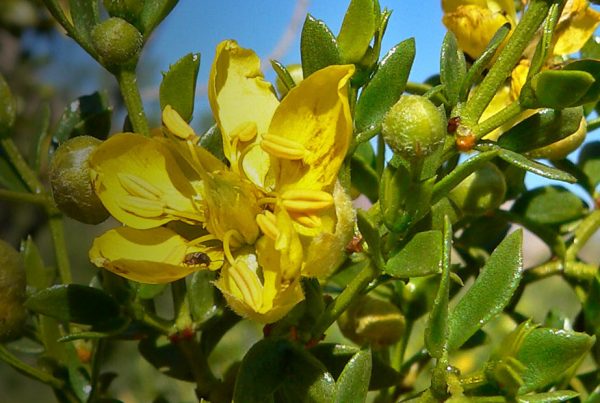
70,181
414,128
116,41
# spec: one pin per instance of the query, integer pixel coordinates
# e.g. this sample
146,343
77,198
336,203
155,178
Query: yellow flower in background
576,25
474,22
263,218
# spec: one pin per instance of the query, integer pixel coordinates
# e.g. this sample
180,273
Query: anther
306,201
136,186
283,148
245,131
142,207
267,223
176,125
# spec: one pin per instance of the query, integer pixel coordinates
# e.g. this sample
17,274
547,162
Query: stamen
139,187
142,207
306,201
245,131
176,125
283,148
227,245
248,284
310,221
202,239
267,200
268,224
185,215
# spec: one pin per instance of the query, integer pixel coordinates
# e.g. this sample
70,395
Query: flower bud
127,9
480,192
414,128
12,293
373,321
70,181
116,41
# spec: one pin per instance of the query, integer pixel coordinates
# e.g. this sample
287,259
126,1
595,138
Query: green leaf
9,178
437,332
544,128
535,167
35,271
272,366
591,66
318,46
153,13
178,86
74,303
420,256
8,109
213,142
453,68
358,28
353,383
591,313
556,89
41,140
491,292
284,75
166,357
549,397
548,354
336,356
364,177
589,161
87,115
149,291
370,233
203,296
386,85
85,16
549,205
478,67
393,190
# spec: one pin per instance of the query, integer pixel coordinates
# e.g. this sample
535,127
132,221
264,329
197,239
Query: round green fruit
116,41
414,127
564,147
482,191
70,181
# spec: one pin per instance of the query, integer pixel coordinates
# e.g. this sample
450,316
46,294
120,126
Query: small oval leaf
178,86
421,256
318,46
490,293
353,383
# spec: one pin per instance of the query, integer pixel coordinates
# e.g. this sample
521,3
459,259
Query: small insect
355,245
453,123
197,259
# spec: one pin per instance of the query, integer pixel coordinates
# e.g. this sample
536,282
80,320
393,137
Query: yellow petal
474,27
315,115
152,256
507,7
141,183
238,93
580,22
326,251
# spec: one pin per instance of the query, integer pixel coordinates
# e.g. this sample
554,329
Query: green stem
133,101
505,115
19,163
593,124
584,231
21,197
60,246
509,56
380,159
28,370
183,318
352,291
207,385
579,271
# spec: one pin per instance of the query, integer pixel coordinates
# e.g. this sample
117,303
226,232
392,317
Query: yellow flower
576,25
264,219
474,22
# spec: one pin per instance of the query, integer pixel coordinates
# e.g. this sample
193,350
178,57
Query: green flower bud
373,321
480,192
12,293
127,9
563,147
414,128
8,108
116,41
70,181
